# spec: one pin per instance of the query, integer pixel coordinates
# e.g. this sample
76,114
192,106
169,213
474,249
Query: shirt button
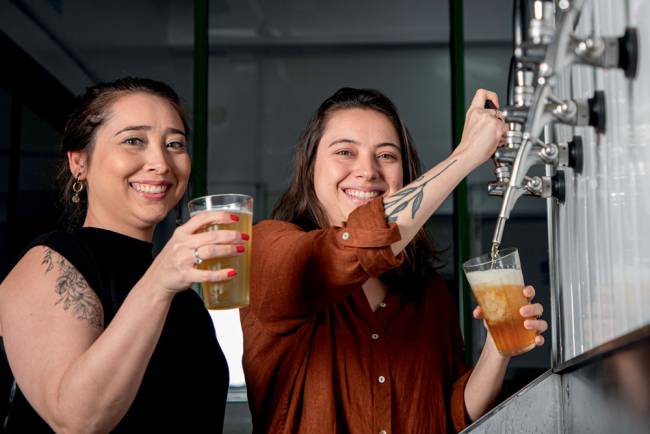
381,379
374,336
382,304
345,236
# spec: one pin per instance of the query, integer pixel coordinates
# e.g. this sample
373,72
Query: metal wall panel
603,259
535,409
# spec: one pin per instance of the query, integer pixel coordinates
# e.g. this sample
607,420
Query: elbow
65,421
77,426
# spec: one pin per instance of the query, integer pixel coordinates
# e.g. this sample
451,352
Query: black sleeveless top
184,387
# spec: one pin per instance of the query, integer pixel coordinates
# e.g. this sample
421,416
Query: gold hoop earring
77,188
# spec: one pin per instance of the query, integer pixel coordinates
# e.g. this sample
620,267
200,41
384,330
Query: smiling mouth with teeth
362,195
149,188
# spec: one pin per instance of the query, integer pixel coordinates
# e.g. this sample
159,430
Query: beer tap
544,110
568,49
540,112
558,47
520,91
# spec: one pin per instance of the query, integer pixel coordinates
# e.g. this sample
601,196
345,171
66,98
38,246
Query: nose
157,159
366,167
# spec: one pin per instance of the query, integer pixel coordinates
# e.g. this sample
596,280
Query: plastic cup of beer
498,287
235,292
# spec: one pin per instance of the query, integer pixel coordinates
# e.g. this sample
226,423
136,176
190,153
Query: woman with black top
99,335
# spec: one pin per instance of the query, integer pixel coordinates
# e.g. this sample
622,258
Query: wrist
491,351
465,158
154,292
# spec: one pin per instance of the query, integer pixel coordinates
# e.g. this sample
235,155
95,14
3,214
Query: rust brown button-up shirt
317,359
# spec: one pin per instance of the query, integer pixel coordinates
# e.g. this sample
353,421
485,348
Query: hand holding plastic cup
235,292
498,287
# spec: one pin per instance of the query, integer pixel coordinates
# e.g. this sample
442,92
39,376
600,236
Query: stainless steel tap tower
550,46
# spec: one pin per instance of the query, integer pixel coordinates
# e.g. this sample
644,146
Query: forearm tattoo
73,291
399,201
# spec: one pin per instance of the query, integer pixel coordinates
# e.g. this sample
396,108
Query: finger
219,251
539,340
531,310
529,292
482,95
204,218
477,312
536,324
201,276
478,101
221,236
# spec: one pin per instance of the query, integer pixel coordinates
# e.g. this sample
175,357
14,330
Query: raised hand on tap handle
491,106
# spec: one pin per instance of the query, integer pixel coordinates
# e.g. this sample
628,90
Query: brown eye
177,145
133,141
387,156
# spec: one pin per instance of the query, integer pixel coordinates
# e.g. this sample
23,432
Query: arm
296,274
486,379
77,375
412,206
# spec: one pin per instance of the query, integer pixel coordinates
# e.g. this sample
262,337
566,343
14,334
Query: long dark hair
299,204
91,110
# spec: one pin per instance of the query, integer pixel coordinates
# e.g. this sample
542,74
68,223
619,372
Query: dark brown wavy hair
299,204
90,112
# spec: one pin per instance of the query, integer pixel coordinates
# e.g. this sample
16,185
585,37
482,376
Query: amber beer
235,292
498,287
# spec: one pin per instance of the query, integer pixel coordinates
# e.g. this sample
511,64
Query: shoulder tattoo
74,293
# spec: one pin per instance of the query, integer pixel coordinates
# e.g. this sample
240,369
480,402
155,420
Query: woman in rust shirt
349,329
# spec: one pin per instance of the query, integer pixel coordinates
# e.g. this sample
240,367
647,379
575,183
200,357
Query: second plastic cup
235,292
498,287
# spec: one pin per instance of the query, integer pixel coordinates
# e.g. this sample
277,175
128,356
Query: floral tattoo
73,291
412,195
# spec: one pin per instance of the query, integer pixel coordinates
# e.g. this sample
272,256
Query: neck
144,233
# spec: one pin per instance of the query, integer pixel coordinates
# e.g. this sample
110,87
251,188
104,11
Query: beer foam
226,208
495,277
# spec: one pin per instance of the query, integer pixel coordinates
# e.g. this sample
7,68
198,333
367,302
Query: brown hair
299,204
91,110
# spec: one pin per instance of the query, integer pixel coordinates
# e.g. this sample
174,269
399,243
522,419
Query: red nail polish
234,218
232,273
240,249
245,237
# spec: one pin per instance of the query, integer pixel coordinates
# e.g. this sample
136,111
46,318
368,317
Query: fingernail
232,273
240,249
245,237
234,218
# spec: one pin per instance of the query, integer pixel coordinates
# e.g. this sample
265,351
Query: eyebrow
336,142
148,128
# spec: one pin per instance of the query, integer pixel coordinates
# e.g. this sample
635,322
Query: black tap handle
490,105
628,52
598,112
576,155
558,186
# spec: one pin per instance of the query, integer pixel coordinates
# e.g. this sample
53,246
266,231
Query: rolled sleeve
297,273
459,416
367,231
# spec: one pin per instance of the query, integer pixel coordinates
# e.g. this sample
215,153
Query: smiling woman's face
358,159
138,167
